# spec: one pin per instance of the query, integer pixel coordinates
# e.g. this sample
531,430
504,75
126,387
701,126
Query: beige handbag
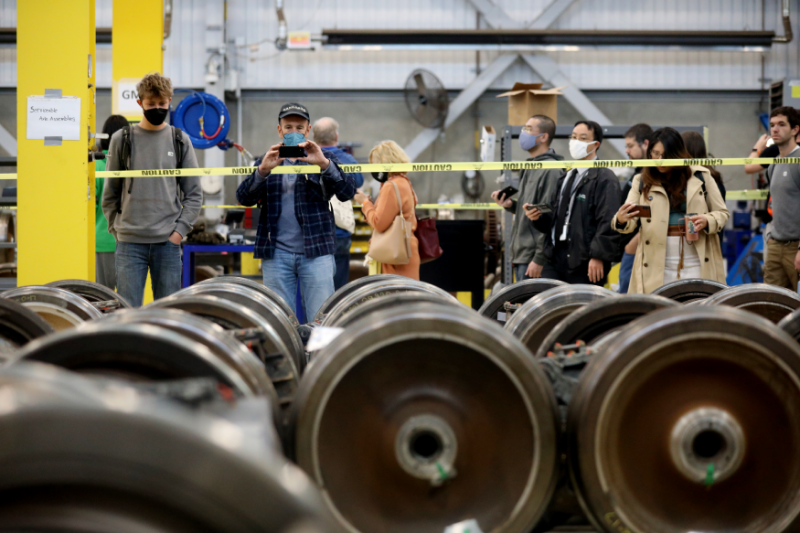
393,246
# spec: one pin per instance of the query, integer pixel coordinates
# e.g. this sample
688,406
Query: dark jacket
535,187
590,236
312,192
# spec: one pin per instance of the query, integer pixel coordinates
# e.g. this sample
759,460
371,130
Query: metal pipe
787,24
283,32
167,18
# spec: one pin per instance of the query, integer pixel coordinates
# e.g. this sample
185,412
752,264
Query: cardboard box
528,99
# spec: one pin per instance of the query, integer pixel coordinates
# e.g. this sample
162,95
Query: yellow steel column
137,38
55,50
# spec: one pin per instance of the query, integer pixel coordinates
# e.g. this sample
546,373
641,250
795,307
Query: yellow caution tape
761,194
445,167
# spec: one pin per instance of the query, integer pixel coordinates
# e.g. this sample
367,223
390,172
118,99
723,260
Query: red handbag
428,239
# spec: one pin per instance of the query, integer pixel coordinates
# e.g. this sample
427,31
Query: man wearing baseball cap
296,231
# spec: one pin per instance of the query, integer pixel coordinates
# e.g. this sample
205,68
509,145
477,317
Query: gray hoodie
148,210
535,187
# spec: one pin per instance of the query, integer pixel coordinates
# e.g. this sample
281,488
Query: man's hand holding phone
271,160
535,212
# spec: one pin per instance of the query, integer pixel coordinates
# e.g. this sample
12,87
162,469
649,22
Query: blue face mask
528,140
293,139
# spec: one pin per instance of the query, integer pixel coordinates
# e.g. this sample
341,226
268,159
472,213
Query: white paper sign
54,117
124,98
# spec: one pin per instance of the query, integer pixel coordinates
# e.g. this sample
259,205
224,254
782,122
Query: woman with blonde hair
381,214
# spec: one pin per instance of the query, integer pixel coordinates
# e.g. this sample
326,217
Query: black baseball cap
294,109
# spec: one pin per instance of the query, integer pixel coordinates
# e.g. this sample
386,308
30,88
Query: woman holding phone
679,236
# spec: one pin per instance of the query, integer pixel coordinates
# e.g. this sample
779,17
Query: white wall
254,21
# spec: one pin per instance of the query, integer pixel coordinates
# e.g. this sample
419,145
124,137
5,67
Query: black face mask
380,176
156,115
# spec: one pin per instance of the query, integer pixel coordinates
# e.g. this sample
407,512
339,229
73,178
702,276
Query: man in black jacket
579,241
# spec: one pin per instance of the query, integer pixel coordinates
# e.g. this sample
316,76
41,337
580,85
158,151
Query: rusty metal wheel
688,422
379,304
689,290
537,317
258,287
19,325
424,415
213,337
61,308
771,302
133,352
589,325
384,289
518,293
791,325
94,293
347,289
83,455
264,306
276,356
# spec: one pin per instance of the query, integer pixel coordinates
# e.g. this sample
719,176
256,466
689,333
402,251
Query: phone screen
291,152
508,192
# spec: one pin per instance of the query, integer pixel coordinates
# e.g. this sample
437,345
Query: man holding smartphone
580,243
296,231
536,187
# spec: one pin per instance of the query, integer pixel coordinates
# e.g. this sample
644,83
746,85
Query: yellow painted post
137,30
55,50
250,265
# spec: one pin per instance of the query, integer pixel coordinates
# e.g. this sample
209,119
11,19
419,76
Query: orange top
381,215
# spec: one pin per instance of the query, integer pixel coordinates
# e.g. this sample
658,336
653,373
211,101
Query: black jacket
590,235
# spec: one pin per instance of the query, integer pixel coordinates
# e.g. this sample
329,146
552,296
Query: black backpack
127,148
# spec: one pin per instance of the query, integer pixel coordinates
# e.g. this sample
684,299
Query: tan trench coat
648,265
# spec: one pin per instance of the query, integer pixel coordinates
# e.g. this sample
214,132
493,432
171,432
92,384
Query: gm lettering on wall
54,117
123,98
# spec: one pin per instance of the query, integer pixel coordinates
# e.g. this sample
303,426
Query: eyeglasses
527,129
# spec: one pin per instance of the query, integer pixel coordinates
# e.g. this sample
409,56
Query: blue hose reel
205,118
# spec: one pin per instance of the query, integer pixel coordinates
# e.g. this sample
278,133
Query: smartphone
644,211
292,152
508,192
543,208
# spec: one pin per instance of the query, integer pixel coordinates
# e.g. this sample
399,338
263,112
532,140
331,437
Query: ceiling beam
495,16
461,103
550,14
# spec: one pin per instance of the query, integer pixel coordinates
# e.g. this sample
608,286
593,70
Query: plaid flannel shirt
312,192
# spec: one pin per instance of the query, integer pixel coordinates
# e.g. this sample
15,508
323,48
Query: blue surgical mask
293,139
527,141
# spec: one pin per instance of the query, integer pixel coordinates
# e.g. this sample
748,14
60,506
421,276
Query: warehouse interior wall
370,117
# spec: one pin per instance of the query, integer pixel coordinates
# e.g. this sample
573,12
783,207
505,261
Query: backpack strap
177,145
125,148
699,175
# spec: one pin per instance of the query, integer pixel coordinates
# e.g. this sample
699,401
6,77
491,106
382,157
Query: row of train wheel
670,412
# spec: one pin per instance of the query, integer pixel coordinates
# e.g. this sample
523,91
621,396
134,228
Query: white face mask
578,149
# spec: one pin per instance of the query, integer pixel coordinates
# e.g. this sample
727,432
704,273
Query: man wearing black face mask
149,216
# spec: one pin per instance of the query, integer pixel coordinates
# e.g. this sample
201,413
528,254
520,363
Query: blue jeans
285,269
342,262
133,261
625,271
519,272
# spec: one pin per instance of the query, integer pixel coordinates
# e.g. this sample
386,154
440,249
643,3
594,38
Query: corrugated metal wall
252,24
